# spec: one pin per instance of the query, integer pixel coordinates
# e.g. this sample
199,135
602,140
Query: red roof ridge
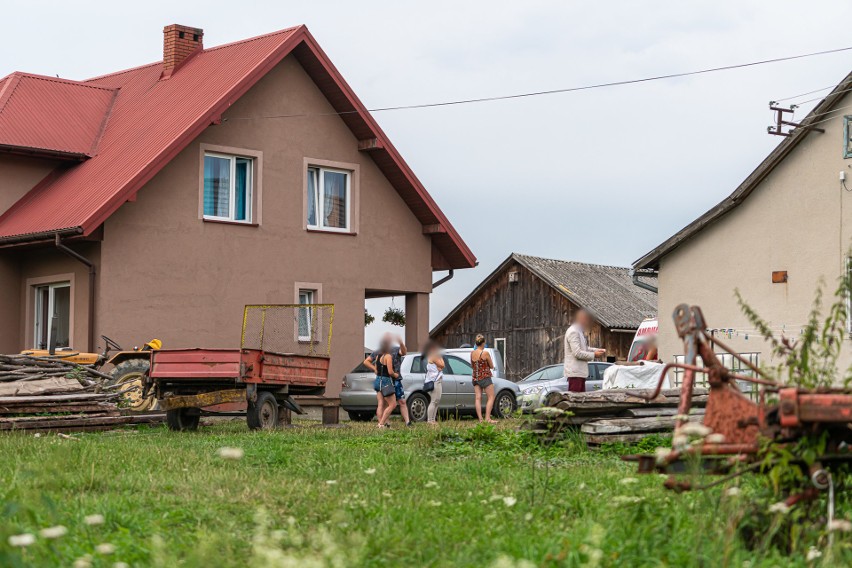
205,50
255,38
122,72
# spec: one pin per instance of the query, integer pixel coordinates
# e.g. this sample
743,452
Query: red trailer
284,351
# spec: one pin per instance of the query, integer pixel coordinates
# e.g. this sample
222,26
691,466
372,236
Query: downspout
643,285
91,266
446,278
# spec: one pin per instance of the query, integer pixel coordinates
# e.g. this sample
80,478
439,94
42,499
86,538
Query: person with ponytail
483,367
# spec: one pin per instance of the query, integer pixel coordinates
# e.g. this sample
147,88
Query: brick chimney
179,43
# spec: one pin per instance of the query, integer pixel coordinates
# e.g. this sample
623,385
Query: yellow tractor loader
129,367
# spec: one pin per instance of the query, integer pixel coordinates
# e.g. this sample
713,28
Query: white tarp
643,376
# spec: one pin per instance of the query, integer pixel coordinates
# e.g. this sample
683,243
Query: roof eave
44,153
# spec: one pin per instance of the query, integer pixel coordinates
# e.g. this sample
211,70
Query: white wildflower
120,565
528,517
813,554
435,503
779,507
716,438
25,539
661,454
53,532
84,561
37,435
628,480
581,486
93,520
371,471
495,497
733,491
679,440
509,501
230,453
105,548
695,429
430,484
387,493
626,499
331,482
840,525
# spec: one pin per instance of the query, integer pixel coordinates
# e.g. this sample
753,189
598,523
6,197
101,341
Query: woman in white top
434,375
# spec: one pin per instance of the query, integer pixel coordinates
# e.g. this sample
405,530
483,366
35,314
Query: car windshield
537,376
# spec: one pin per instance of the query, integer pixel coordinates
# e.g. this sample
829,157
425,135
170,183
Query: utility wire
565,90
804,94
800,103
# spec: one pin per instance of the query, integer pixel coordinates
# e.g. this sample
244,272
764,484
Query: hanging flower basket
368,318
394,316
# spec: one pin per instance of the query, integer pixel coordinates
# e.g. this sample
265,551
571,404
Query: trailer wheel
132,373
181,419
263,414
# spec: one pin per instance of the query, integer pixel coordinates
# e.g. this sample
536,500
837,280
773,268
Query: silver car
536,386
359,399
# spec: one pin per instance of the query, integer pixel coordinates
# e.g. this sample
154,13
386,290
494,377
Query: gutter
41,236
644,285
91,266
445,279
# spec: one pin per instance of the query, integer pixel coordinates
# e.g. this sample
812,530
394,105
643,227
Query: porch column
416,320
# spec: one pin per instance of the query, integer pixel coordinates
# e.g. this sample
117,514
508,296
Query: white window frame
319,203
504,353
232,200
37,310
311,296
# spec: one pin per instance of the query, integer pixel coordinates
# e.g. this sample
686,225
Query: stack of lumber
614,415
44,394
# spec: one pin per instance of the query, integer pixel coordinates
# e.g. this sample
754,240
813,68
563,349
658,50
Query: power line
565,90
804,94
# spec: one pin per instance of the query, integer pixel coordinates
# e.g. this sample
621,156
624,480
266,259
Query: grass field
463,495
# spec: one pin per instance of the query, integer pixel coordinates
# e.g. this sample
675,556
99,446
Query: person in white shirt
578,353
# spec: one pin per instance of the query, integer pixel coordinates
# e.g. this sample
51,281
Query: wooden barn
524,307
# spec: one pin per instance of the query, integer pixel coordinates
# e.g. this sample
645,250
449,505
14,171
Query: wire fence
729,362
289,329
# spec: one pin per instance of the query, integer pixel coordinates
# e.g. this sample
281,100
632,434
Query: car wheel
504,405
364,416
418,406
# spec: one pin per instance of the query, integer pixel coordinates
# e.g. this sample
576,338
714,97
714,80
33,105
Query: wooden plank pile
613,415
45,394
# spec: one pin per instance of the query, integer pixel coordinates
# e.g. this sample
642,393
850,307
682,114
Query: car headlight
532,390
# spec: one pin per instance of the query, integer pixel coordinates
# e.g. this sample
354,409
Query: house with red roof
158,200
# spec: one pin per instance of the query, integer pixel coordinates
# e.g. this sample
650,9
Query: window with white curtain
329,199
52,323
227,187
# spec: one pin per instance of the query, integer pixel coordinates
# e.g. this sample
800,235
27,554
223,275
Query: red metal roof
152,120
46,115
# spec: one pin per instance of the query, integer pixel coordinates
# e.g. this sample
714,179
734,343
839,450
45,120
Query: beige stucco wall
798,219
168,274
18,174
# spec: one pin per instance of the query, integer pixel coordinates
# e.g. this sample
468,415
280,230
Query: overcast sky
598,176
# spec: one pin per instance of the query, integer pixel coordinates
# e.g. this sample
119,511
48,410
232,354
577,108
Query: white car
536,386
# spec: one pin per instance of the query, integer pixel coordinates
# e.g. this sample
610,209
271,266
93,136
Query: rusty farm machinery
745,431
